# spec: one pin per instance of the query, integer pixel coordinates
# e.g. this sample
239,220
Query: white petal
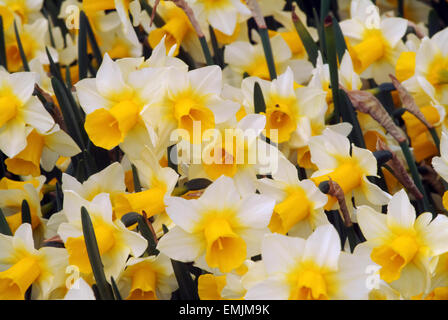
323,247
373,225
281,253
184,213
180,245
400,212
256,210
270,289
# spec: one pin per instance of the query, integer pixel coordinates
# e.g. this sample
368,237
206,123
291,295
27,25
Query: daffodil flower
177,29
23,266
299,204
115,242
20,112
189,99
440,164
42,150
158,183
430,80
374,43
220,227
236,152
33,39
243,57
290,34
438,290
27,10
221,15
402,244
311,269
291,111
331,154
12,194
149,278
233,285
113,102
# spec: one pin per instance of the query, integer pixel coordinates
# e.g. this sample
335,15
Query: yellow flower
115,242
331,153
24,266
401,244
218,230
150,278
312,269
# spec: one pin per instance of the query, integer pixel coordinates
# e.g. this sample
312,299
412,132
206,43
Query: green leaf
92,40
22,53
26,213
115,289
310,46
268,52
54,68
3,60
147,234
324,9
94,256
83,58
433,23
259,103
4,227
349,115
206,51
341,46
187,288
135,177
219,59
68,77
68,113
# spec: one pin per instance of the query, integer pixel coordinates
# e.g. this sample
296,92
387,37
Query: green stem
206,51
415,175
268,52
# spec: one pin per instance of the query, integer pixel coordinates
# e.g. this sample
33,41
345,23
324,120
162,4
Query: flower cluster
203,149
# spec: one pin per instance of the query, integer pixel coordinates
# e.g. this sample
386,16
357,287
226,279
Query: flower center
310,285
287,213
370,50
393,257
9,105
143,283
27,162
225,249
108,128
348,175
16,280
279,117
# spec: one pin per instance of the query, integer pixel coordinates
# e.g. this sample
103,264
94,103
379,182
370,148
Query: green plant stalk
219,59
206,51
147,234
26,213
115,290
4,227
136,179
341,46
94,256
26,67
310,46
259,103
268,52
415,175
435,137
92,40
83,59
